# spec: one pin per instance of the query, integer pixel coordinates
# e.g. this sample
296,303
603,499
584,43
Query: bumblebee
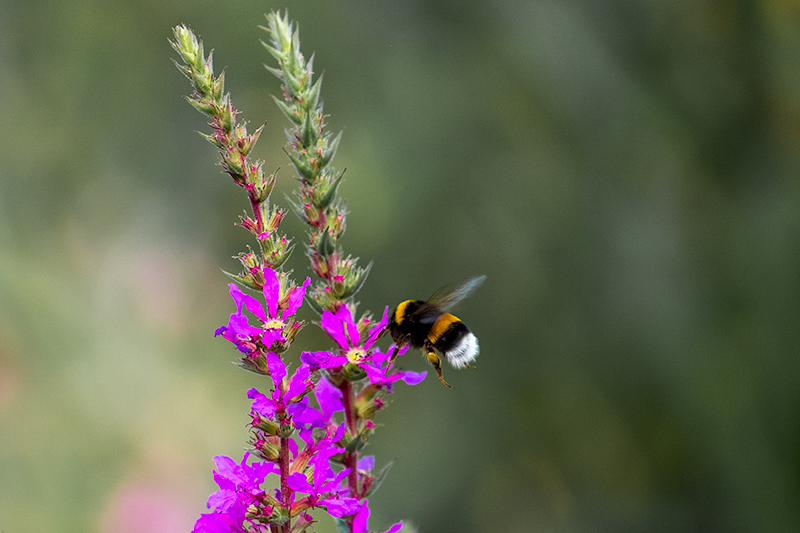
427,326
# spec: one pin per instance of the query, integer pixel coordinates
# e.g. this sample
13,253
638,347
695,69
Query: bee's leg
470,366
393,355
437,365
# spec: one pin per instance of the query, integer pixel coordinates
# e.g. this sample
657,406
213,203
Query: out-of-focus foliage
625,173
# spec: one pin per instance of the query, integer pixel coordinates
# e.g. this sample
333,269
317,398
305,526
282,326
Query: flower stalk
293,439
311,150
235,145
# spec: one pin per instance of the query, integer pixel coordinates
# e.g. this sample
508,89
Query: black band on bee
446,329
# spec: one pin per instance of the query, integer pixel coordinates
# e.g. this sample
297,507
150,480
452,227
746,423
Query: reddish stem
254,203
351,458
283,464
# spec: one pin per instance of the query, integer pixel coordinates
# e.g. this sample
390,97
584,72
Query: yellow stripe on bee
440,327
400,312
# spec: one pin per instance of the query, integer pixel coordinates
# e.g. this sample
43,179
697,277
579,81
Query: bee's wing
448,296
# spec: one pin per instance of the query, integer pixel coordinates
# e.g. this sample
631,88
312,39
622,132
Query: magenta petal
317,360
272,291
299,483
361,519
297,385
346,317
228,468
250,303
395,528
239,325
366,463
277,370
334,327
375,375
296,299
376,331
271,336
339,433
341,507
221,499
329,399
412,378
261,403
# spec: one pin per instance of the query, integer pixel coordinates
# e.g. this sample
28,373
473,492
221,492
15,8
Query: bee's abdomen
454,339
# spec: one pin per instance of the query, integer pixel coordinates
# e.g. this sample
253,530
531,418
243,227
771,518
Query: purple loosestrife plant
308,425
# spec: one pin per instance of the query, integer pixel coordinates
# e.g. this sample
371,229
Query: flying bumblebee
427,326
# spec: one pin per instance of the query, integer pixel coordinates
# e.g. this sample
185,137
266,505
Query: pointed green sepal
204,107
241,280
226,114
186,71
308,132
362,277
312,98
218,86
278,73
273,52
287,110
326,245
301,167
330,194
297,209
330,151
213,140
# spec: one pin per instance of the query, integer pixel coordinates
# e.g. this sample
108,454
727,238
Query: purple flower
274,317
239,483
361,518
342,329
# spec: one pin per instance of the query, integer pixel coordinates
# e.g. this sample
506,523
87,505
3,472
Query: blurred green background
624,171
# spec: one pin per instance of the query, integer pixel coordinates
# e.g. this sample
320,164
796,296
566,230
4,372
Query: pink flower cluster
296,434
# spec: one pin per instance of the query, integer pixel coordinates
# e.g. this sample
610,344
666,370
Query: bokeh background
625,172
